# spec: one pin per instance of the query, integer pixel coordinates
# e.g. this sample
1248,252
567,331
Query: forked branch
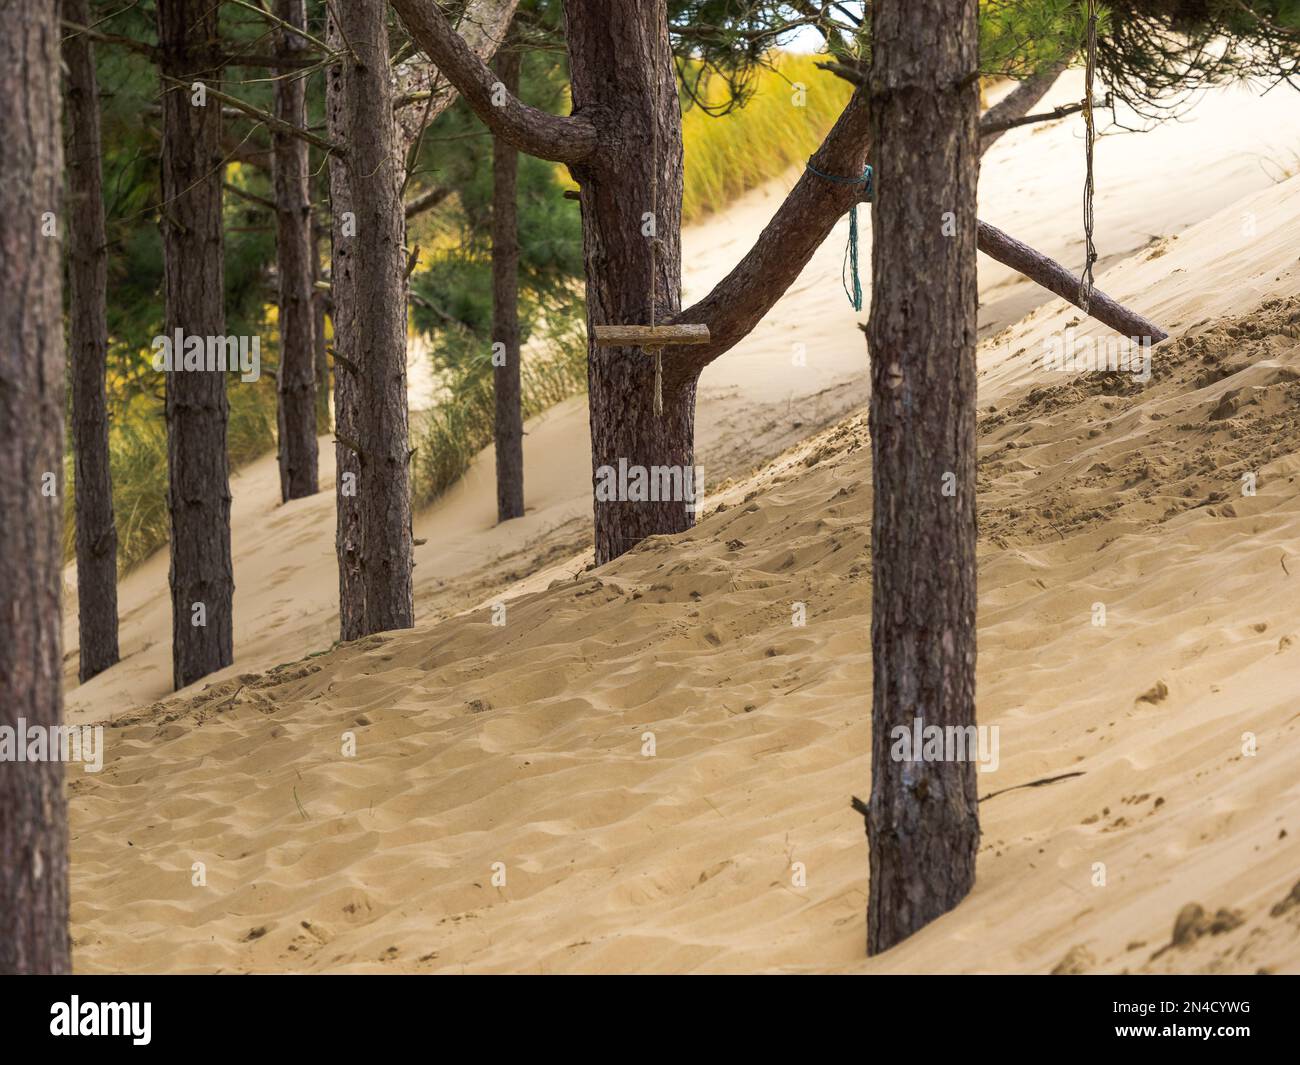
562,139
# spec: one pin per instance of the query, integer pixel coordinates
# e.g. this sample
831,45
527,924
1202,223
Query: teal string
851,258
849,276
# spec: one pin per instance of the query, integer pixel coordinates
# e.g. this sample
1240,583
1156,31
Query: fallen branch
1054,277
1033,784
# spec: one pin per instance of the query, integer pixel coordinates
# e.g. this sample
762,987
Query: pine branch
265,117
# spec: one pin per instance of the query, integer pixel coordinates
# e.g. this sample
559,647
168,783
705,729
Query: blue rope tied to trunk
849,272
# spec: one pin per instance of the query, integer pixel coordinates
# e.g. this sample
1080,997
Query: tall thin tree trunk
505,311
369,288
88,344
33,815
202,580
295,262
623,78
319,303
923,821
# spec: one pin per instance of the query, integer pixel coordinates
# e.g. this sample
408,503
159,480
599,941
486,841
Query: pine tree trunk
623,80
923,822
33,815
369,289
88,351
505,311
295,261
319,303
202,580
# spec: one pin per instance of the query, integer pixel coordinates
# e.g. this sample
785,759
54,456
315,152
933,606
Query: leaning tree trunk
505,312
88,344
1018,102
369,289
923,821
295,267
202,580
33,815
623,80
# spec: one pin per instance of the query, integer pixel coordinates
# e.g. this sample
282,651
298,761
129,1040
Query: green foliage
726,156
137,444
1153,53
1021,37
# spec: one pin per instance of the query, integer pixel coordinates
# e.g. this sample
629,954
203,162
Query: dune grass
448,437
792,107
137,445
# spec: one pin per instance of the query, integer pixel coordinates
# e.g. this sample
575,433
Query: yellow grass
792,107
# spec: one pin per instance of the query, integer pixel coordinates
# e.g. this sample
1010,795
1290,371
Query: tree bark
623,81
33,815
923,821
320,299
295,262
565,140
202,579
1056,278
505,312
369,291
88,344
422,93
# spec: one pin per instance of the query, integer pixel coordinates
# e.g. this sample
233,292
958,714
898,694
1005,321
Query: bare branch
129,43
251,197
263,116
1008,111
150,51
850,74
994,129
426,201
564,139
806,217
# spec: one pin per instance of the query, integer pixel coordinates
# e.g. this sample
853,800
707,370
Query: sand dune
800,370
523,744
503,812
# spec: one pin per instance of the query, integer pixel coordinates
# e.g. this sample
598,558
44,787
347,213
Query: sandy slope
523,743
802,368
